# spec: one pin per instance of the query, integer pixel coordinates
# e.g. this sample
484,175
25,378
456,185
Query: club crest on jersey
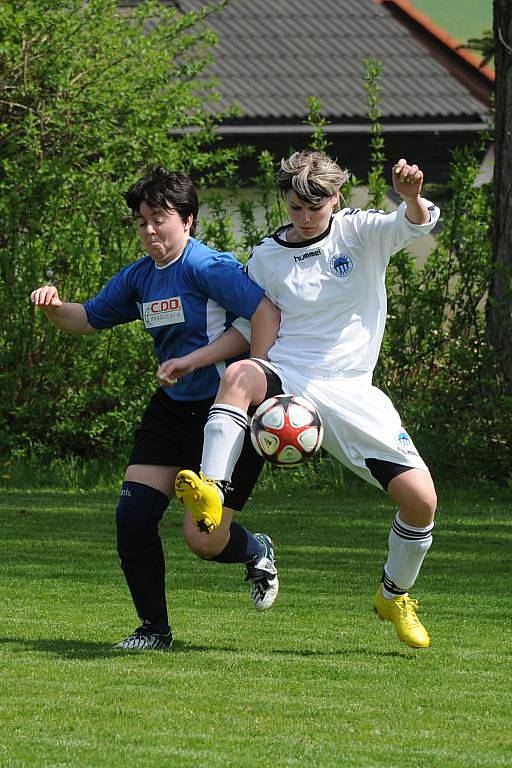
405,444
341,265
162,312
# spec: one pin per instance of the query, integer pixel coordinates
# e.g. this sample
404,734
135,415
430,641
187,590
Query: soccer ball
286,430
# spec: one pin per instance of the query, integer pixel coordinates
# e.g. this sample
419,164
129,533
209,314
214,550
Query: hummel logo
307,255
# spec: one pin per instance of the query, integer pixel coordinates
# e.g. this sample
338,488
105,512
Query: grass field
463,19
317,681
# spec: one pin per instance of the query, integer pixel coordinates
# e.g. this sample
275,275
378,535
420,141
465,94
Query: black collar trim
305,243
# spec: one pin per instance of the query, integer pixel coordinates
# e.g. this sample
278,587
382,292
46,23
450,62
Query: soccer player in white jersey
326,273
190,299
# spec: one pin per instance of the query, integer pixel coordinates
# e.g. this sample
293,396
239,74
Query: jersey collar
277,236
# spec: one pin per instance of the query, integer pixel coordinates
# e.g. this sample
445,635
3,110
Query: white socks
224,436
407,549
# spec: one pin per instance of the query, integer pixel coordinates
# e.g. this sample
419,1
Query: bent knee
416,497
420,510
426,500
243,378
138,513
426,504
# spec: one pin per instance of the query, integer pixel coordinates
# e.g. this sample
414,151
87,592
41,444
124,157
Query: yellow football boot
201,497
401,611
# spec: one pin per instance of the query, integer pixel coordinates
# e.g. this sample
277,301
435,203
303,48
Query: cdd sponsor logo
341,265
162,312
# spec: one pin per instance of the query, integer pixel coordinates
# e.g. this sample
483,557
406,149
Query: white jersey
331,290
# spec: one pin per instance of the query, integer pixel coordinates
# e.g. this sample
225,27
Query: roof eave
258,129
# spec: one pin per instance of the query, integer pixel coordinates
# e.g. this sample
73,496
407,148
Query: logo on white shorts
162,312
405,444
341,265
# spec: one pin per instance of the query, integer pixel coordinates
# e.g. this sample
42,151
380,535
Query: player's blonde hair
313,176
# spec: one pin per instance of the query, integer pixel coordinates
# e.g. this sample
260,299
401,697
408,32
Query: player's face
162,232
309,219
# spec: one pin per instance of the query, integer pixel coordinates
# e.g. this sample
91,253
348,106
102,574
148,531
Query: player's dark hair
160,188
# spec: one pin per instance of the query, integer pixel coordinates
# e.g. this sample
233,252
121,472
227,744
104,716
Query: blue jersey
184,306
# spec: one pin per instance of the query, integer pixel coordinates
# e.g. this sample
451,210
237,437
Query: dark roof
274,54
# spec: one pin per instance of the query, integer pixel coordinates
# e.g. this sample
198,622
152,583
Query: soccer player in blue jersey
192,301
325,270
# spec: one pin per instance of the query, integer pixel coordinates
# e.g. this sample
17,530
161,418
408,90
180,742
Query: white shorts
360,422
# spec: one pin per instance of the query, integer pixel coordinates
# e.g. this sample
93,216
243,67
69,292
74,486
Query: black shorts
274,386
171,435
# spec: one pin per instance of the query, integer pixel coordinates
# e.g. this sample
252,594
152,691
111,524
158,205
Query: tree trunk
499,308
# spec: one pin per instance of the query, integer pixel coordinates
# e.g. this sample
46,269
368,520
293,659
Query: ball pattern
286,430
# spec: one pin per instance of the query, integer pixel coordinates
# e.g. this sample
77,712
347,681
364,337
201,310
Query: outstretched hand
47,296
407,179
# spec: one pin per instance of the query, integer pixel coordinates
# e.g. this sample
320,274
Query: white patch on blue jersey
162,312
215,325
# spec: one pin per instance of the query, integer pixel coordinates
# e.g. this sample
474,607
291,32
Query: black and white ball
286,430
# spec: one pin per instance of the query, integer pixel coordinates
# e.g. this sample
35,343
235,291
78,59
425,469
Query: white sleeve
257,271
387,233
243,326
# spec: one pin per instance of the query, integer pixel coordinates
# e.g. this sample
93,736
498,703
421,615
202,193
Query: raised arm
408,181
67,316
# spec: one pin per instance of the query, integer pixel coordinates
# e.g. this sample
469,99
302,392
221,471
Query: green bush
89,97
93,97
436,362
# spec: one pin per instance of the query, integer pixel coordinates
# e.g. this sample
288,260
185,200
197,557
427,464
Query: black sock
138,514
242,547
159,629
144,571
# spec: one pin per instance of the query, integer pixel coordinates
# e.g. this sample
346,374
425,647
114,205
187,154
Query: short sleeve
260,275
224,279
386,233
115,304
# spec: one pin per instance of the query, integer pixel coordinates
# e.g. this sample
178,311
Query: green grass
317,681
463,19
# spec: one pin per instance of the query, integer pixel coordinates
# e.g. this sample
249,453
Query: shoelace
408,608
207,480
221,486
257,574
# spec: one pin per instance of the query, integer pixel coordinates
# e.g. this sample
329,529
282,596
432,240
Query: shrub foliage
88,97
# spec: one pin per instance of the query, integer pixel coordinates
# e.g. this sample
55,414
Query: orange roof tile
440,34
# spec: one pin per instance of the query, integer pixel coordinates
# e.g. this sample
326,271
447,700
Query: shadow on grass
77,649
182,646
65,649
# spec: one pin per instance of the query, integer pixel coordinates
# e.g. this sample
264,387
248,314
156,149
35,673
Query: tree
484,45
88,96
499,318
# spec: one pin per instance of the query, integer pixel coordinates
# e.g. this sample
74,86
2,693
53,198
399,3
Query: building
274,54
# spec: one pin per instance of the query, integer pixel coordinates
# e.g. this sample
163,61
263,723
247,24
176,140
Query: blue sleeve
225,280
115,304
